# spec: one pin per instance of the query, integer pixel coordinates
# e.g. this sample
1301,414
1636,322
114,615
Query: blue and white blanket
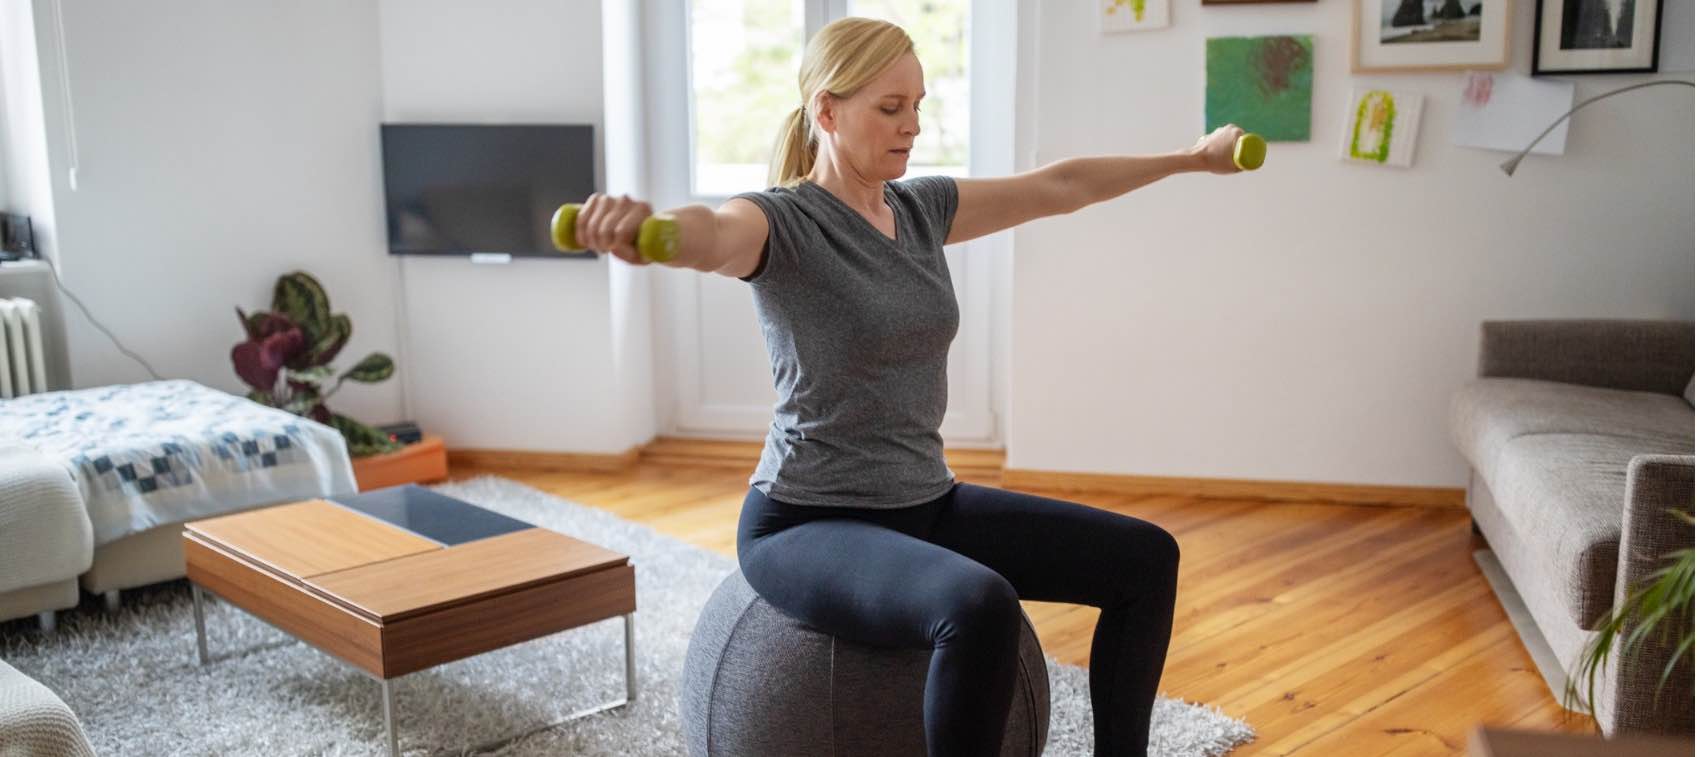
164,452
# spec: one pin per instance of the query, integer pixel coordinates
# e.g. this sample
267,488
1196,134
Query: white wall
24,185
521,355
1308,322
220,144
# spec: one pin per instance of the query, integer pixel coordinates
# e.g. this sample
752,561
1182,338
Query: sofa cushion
1485,414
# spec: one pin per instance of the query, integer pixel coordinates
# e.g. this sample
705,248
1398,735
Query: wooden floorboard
1332,629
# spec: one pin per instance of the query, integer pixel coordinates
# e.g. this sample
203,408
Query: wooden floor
1330,629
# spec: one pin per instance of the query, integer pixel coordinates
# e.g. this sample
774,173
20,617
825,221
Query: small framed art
1383,128
1393,36
1132,15
1596,36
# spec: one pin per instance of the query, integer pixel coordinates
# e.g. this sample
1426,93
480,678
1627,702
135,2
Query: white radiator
23,362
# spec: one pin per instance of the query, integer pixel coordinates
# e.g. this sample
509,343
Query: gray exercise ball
757,682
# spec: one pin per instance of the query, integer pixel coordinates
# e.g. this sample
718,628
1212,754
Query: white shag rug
134,680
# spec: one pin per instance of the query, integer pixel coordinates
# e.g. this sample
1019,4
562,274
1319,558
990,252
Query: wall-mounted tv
463,189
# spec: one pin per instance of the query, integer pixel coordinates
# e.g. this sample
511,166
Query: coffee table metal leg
630,657
389,694
389,717
199,623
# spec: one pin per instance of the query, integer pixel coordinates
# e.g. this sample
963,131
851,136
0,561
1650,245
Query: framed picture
1132,15
1596,36
1393,36
1382,128
1263,84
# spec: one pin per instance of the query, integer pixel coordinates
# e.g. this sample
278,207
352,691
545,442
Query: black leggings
947,575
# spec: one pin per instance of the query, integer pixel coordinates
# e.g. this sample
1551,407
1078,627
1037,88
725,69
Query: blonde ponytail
839,60
792,158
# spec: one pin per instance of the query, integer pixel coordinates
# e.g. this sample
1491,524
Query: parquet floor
1332,629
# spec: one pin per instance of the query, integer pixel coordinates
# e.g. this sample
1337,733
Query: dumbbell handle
1249,152
657,241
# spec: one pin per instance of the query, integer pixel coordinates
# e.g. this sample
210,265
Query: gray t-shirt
857,327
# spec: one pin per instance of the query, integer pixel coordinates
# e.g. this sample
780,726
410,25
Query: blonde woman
853,522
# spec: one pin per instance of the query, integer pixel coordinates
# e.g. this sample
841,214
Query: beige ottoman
45,537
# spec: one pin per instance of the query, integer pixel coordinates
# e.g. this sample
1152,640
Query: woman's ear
824,112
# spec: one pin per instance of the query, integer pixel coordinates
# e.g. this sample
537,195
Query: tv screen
464,189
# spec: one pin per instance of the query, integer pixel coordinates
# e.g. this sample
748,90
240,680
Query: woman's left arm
987,206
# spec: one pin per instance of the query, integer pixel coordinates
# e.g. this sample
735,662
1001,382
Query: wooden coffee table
397,580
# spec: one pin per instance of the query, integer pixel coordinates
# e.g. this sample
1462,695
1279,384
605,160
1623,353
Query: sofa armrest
1646,356
1655,484
45,534
35,721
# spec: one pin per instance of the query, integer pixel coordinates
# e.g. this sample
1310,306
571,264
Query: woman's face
873,130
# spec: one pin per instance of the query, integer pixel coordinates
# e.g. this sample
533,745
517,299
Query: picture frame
1382,127
1574,37
1114,16
1264,84
1414,36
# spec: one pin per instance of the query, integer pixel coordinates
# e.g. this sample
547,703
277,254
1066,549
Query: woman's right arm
726,241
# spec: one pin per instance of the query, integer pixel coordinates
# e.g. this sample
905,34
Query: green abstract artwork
1263,84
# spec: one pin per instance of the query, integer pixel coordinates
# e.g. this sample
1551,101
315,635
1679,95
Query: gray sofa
1579,439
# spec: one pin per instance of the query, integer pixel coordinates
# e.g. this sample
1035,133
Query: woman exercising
853,522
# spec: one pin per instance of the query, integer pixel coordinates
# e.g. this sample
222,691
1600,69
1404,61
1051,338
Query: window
744,56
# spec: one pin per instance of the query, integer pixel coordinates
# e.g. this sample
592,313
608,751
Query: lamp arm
1588,101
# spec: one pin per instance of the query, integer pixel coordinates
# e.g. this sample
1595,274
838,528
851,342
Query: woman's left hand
1215,149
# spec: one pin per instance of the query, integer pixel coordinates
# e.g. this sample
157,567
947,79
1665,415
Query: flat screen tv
460,189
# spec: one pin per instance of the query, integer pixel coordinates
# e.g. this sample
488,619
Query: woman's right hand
610,224
1216,148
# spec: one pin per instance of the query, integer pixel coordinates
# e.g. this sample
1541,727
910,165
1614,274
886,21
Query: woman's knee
1164,548
983,606
1146,558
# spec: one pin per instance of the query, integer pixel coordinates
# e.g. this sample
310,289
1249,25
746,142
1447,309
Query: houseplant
286,360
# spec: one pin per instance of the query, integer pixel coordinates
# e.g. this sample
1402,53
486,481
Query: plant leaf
303,402
311,376
375,367
336,333
257,362
247,325
300,297
362,440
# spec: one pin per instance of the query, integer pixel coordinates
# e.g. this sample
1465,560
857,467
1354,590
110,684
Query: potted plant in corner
285,361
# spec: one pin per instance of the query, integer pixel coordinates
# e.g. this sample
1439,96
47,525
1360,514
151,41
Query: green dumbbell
1250,152
657,241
